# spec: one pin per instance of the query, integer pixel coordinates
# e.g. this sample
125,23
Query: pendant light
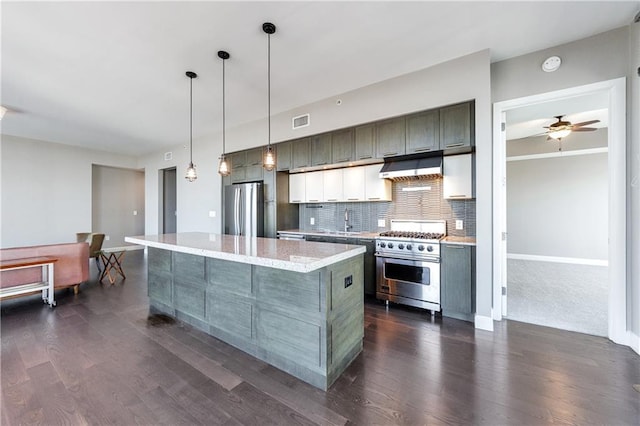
223,168
191,170
269,161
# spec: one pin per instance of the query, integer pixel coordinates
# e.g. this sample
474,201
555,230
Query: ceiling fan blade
585,123
584,129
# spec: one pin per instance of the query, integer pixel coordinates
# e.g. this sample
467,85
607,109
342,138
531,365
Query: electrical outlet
106,238
212,213
135,212
312,221
458,224
382,223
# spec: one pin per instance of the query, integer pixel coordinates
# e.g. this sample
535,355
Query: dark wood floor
98,358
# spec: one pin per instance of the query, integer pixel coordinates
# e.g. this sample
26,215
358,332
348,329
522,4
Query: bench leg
76,288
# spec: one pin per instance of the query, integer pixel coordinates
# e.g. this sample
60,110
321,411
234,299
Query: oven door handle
421,259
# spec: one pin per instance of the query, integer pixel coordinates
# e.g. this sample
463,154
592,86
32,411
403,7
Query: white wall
116,195
558,206
46,190
634,180
451,82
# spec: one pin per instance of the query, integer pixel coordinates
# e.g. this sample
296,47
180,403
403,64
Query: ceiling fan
561,129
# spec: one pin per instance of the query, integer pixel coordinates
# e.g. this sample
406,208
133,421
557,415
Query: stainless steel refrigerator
244,209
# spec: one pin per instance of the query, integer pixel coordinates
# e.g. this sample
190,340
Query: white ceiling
110,75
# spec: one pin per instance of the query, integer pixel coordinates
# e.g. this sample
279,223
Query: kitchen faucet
346,220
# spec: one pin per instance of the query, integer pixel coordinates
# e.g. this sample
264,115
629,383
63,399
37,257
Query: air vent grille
168,156
300,121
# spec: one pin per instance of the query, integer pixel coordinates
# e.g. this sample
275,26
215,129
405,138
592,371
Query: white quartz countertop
298,256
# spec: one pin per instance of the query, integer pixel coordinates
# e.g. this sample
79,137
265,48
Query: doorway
169,209
613,91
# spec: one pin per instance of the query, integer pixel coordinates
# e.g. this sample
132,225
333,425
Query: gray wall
558,206
46,190
601,57
116,194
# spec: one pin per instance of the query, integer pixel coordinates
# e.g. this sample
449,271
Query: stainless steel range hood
411,167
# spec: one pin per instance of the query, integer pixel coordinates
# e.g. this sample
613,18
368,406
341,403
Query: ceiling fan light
223,168
559,134
191,173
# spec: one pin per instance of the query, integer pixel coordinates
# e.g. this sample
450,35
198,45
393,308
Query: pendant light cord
269,86
191,120
223,111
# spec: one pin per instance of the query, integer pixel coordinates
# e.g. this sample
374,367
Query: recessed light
551,64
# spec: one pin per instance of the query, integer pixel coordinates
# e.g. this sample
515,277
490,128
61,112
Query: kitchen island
296,305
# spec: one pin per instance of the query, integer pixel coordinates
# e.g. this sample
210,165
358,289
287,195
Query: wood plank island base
296,305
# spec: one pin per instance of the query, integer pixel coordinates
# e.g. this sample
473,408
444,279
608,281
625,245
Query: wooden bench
46,284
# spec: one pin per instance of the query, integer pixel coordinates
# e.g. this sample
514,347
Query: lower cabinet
457,276
369,265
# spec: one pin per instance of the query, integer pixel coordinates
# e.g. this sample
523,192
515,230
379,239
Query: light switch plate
135,212
312,221
212,213
106,238
458,224
382,223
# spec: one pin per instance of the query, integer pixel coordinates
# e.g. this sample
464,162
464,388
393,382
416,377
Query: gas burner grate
414,235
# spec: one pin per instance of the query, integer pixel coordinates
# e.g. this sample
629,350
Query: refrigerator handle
236,211
241,205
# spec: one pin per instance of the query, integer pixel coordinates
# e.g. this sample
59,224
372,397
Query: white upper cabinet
376,189
297,188
332,182
314,187
457,177
353,183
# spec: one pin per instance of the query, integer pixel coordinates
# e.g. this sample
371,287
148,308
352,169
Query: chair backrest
82,237
96,244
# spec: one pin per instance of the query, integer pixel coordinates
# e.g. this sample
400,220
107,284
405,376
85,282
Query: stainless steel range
408,263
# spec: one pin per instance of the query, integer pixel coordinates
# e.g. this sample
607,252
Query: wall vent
168,156
300,121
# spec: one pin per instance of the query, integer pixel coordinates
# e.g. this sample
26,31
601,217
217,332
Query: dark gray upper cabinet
283,156
342,146
254,157
458,281
365,142
238,159
321,149
301,153
457,126
423,132
390,137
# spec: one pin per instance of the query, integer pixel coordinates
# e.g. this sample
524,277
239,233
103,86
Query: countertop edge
254,260
461,241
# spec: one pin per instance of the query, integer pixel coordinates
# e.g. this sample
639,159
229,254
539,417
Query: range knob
409,247
400,246
420,247
383,245
390,245
429,248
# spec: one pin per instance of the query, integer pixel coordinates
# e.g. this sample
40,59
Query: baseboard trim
483,323
557,259
633,341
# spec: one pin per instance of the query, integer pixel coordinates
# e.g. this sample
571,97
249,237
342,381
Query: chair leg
76,288
97,259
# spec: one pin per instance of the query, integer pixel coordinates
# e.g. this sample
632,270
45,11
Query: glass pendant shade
269,162
559,134
191,173
223,168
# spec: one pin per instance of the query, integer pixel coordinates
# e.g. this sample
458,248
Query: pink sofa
71,269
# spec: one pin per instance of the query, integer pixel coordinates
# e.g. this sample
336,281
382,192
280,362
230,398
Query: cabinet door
238,174
283,156
455,126
300,154
314,187
254,157
423,132
458,292
365,146
297,187
321,150
316,238
390,137
369,265
353,184
376,189
332,183
342,146
457,176
253,172
238,159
